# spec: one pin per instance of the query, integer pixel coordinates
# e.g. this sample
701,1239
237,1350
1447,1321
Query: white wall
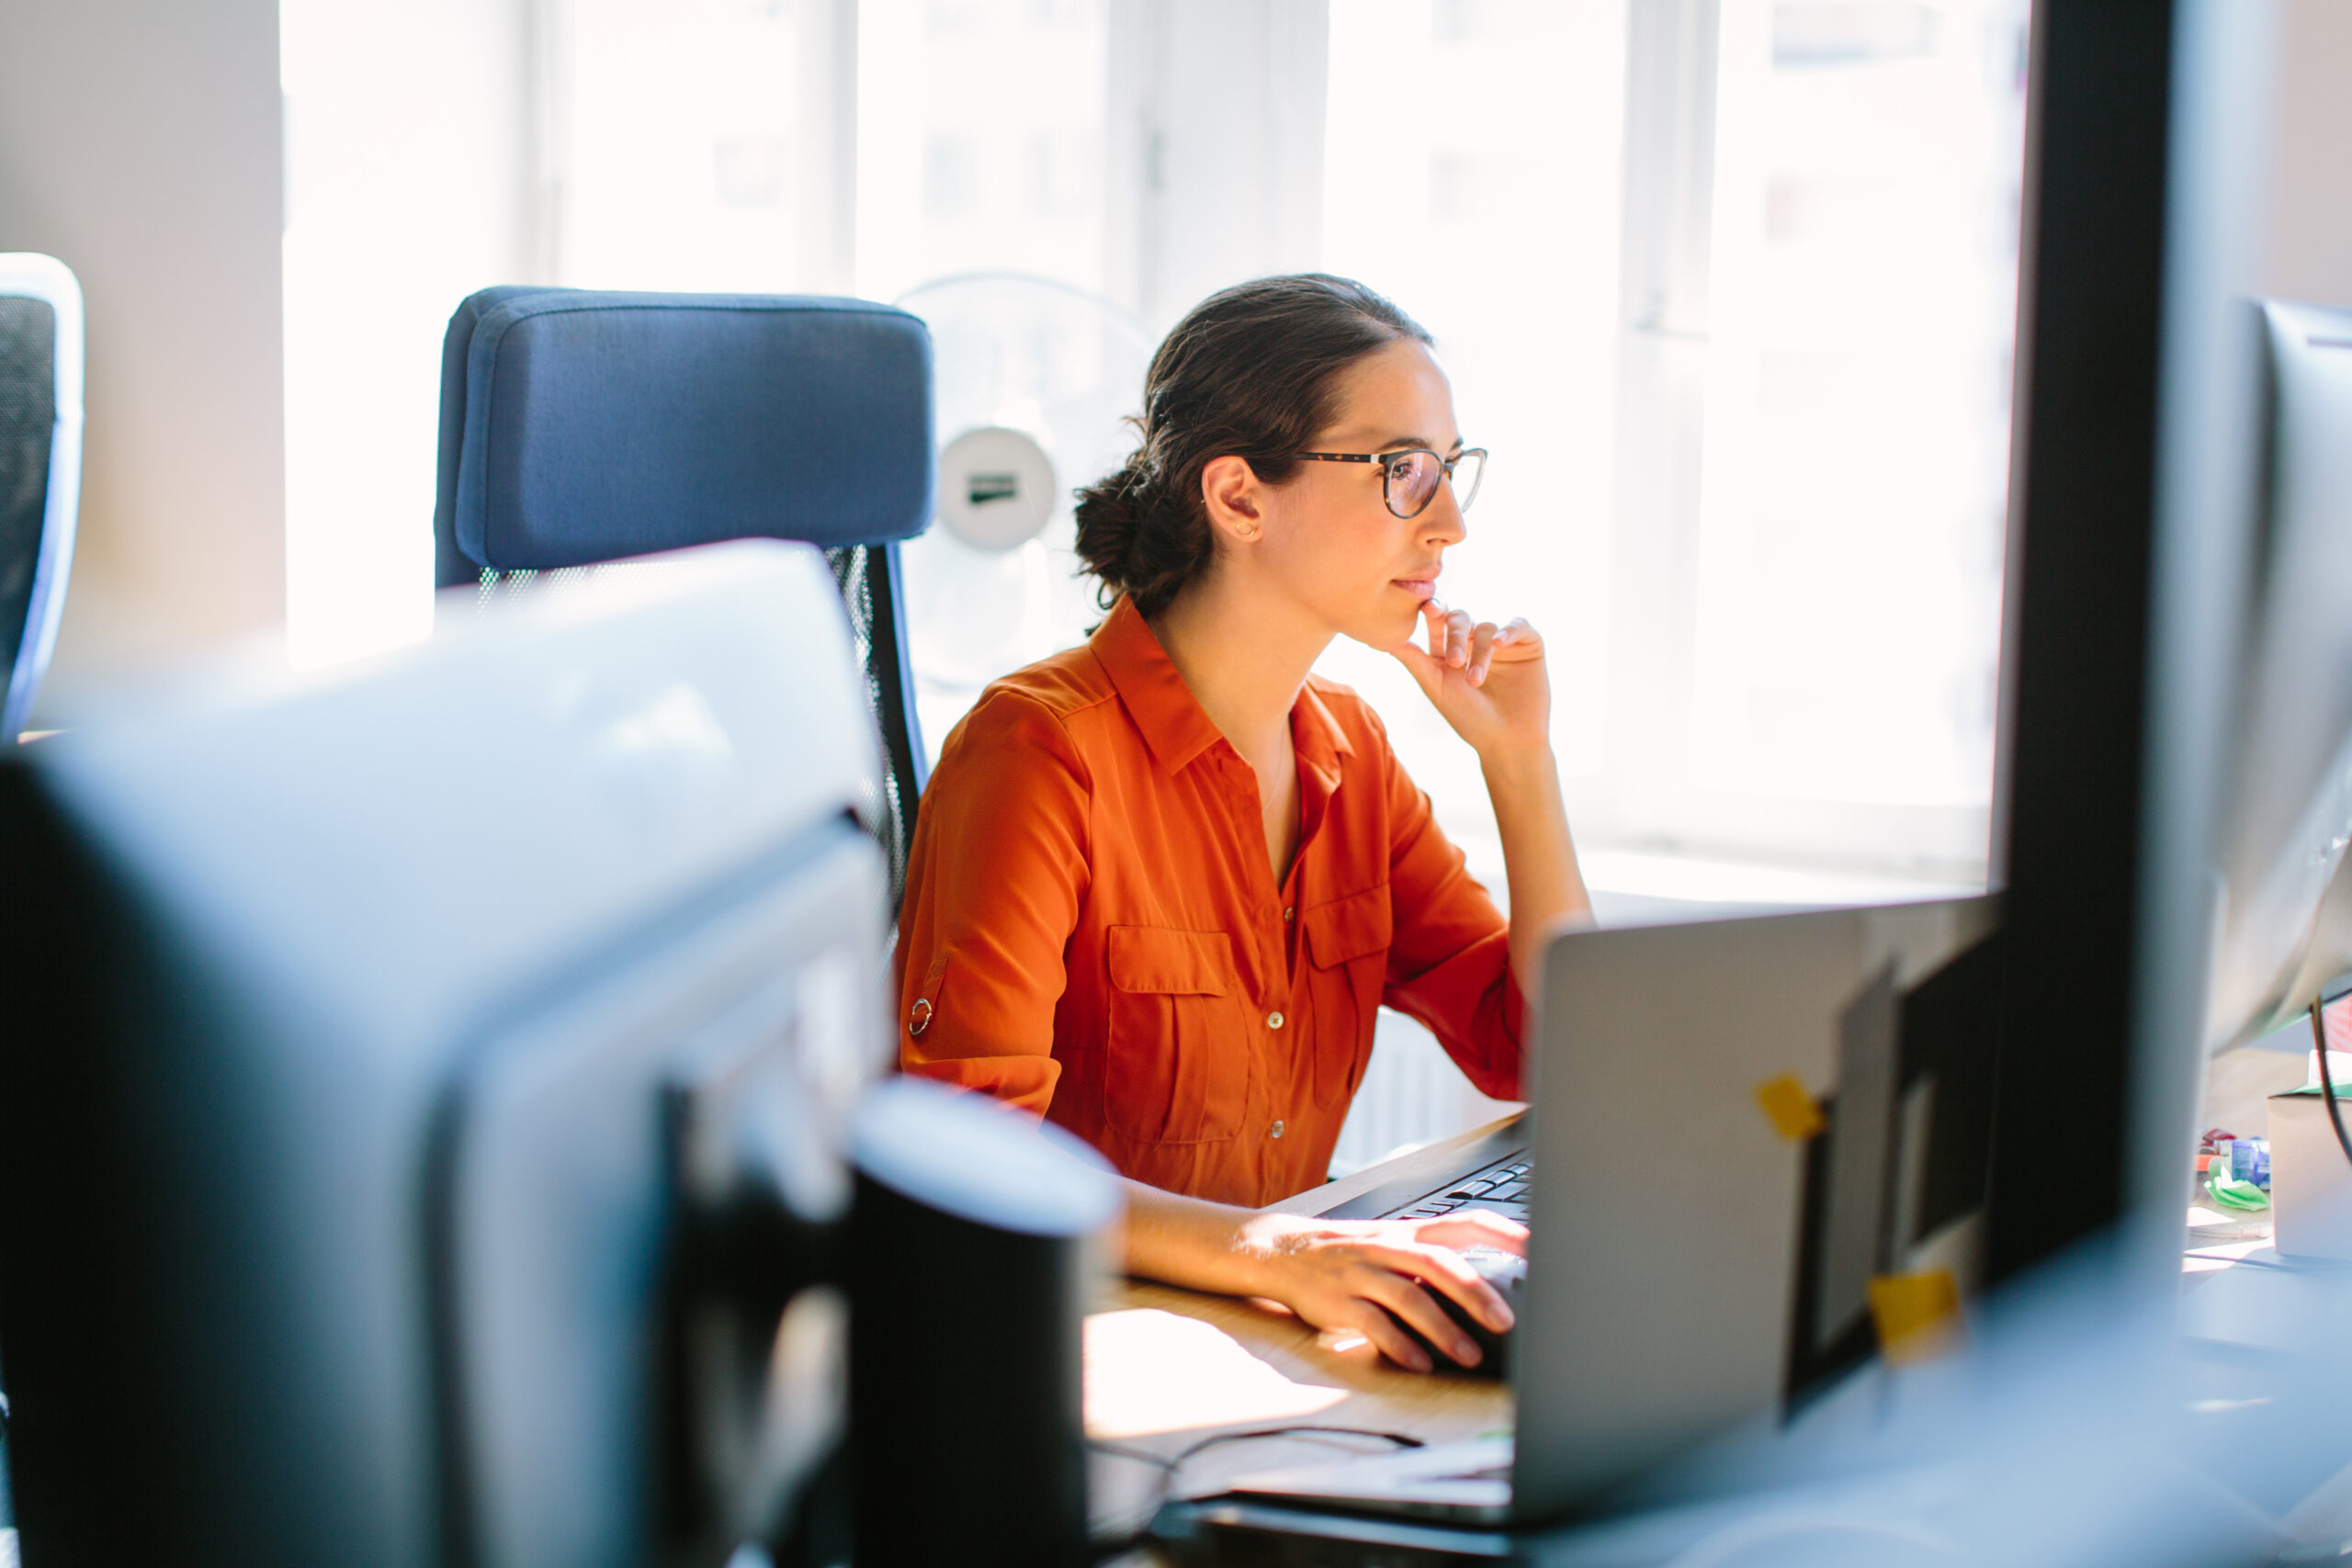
139,143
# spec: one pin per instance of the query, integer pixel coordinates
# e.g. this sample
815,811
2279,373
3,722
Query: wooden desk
1166,1368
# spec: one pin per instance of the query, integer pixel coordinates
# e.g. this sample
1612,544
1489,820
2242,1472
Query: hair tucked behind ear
1252,372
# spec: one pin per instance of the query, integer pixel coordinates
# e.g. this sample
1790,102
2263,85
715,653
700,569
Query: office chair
581,427
40,467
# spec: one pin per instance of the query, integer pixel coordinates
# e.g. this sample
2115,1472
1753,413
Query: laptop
1738,1126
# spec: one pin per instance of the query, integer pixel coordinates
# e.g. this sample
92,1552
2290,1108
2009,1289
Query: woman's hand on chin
1489,681
1350,1276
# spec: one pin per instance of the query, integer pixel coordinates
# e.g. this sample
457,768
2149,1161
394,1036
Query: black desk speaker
973,1243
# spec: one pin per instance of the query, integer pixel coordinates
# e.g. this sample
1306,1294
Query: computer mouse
1507,1272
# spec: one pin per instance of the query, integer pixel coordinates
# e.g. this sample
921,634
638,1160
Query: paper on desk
1149,1371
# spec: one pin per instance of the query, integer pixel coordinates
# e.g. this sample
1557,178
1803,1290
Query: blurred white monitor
380,1045
2284,914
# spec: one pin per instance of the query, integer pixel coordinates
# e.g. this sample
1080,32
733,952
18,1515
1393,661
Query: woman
1162,882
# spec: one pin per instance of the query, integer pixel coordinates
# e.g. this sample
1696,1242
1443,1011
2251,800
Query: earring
1248,533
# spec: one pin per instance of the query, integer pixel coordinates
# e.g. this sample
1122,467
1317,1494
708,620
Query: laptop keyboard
1501,1187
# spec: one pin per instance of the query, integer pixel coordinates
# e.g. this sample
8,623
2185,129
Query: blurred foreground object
40,467
2285,914
2311,1183
975,1244
2312,1171
421,1111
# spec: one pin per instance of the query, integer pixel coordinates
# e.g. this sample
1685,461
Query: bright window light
1814,473
1864,277
1744,366
982,131
404,193
698,145
1471,167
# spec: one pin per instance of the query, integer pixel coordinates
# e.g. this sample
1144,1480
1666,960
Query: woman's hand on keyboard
1347,1277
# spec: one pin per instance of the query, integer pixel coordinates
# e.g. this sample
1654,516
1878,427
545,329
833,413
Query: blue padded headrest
580,426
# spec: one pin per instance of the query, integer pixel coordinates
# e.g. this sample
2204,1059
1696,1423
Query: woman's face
1330,543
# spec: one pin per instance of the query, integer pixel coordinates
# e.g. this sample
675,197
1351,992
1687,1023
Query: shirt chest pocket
1177,1048
1347,946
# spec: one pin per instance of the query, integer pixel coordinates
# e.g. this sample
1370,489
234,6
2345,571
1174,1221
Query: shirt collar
1164,708
1317,734
1171,717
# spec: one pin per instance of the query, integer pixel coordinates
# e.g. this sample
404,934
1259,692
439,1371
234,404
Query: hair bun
1110,515
1251,372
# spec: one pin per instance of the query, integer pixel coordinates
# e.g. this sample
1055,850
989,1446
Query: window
980,140
700,144
1726,286
1471,173
1815,413
407,188
1744,366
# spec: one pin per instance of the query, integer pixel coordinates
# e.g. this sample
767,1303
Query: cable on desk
2327,1079
1169,1464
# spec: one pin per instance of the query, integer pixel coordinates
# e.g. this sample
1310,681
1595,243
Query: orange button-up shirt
1091,928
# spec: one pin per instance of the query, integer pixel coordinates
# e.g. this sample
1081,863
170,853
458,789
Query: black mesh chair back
869,585
580,428
41,468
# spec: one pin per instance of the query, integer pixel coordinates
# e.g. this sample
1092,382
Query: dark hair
1253,372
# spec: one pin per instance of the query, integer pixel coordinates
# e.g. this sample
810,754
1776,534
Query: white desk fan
1034,379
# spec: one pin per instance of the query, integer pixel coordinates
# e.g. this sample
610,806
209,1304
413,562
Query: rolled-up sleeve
997,877
1449,965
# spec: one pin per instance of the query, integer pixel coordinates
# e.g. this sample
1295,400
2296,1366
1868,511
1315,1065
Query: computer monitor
392,1058
2137,445
1760,1156
2285,921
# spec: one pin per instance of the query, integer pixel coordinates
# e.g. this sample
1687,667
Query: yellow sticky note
1918,1316
1793,1113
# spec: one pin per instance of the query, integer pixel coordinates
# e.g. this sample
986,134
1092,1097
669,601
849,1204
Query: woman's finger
1414,1307
1368,1319
1457,637
1427,674
1518,640
1482,651
1427,669
1446,1269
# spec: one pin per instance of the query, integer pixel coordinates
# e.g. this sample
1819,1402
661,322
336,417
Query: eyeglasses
1409,478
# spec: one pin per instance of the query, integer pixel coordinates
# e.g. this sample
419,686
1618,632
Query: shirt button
1288,913
1276,1131
1273,1020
